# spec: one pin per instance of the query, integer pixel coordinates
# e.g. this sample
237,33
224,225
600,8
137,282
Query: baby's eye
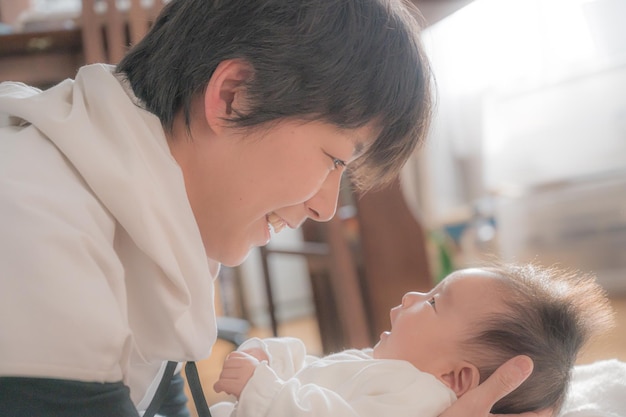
432,301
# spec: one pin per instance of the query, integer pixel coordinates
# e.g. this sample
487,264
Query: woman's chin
230,258
233,261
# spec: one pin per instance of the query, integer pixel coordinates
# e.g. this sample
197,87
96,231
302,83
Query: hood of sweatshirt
121,152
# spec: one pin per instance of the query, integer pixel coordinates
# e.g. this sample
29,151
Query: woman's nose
322,206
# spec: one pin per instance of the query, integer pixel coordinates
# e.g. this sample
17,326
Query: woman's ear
462,378
225,92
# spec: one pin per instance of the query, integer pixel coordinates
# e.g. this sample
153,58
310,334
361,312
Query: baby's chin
377,351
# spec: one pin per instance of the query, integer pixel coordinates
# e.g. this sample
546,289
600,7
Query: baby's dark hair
550,315
348,62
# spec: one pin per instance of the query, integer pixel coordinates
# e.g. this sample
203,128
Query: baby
441,345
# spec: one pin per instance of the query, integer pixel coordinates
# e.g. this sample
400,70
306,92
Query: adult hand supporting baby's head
479,401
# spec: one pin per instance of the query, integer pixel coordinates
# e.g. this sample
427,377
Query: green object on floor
445,263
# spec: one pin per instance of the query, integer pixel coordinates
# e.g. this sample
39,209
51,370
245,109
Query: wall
530,96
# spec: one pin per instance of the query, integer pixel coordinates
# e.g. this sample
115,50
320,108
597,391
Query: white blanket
597,390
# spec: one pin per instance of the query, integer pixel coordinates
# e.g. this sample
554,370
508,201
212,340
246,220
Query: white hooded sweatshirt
103,271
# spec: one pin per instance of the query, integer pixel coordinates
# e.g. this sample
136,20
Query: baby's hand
257,353
236,372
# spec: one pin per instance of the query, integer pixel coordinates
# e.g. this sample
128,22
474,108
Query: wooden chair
335,279
109,27
355,285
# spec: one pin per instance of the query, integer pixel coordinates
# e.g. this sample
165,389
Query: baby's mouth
276,222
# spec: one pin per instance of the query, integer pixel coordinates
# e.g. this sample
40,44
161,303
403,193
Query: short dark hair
550,314
347,62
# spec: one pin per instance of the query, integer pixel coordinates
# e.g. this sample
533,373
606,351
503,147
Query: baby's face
427,328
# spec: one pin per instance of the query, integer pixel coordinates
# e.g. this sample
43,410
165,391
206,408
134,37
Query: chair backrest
109,27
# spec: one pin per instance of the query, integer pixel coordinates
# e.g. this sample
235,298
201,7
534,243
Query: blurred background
526,161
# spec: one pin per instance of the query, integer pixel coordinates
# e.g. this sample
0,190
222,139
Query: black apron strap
191,372
161,390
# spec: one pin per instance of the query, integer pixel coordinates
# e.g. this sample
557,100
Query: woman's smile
276,222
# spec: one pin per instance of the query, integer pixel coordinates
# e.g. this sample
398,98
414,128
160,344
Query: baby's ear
462,378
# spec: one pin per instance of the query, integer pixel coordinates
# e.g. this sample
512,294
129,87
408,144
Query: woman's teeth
276,222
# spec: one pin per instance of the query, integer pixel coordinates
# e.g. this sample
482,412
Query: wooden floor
612,345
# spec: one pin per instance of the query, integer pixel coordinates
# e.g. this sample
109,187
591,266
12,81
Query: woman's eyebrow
358,148
360,143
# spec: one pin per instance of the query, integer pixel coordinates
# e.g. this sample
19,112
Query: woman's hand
479,401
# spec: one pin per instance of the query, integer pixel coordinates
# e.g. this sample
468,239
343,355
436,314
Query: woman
123,190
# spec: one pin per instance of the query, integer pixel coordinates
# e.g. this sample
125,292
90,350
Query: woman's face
239,185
